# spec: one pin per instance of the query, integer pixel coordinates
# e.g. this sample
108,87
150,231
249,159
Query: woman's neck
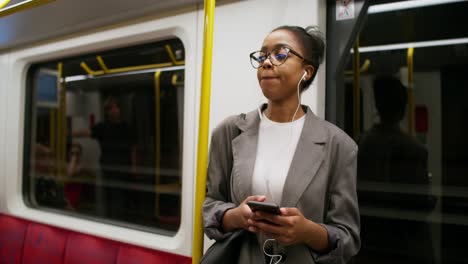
283,113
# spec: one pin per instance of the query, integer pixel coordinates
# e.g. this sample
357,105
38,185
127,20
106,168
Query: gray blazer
321,183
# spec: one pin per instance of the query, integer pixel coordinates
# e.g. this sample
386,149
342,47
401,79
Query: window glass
406,110
104,136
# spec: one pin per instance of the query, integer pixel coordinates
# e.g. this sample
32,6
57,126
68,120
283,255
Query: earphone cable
298,99
272,256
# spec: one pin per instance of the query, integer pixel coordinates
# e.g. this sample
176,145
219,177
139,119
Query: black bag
225,251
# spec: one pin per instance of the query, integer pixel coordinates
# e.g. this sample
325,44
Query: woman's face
279,83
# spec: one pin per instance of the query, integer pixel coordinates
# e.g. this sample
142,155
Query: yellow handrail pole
204,119
88,70
357,91
21,6
410,91
173,58
141,67
58,146
106,70
4,3
62,135
202,151
174,80
64,124
364,68
171,54
102,64
157,146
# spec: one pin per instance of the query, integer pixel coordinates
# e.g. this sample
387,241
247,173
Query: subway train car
75,189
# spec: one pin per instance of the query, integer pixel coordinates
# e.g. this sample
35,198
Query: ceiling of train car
438,22
69,16
422,24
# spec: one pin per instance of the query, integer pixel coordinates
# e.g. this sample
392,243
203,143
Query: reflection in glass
413,151
107,145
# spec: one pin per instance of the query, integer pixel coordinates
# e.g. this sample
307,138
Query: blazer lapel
307,159
244,151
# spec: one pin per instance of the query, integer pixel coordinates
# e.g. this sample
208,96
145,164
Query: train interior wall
233,81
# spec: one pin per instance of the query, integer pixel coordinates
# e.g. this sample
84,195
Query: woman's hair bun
319,40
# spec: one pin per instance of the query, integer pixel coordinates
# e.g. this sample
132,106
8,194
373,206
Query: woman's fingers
258,198
287,228
290,211
275,219
266,227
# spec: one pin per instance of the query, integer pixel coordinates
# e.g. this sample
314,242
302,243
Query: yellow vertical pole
62,124
410,91
58,145
4,3
157,147
204,119
356,91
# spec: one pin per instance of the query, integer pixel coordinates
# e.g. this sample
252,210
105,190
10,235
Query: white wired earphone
303,78
272,256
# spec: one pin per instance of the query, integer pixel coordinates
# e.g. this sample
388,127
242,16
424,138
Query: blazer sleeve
342,219
218,199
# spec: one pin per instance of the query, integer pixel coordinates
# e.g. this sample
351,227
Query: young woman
283,153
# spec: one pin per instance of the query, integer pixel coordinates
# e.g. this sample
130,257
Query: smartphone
264,207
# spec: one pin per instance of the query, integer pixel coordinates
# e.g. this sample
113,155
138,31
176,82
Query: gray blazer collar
305,163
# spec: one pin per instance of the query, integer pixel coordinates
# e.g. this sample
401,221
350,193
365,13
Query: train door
398,86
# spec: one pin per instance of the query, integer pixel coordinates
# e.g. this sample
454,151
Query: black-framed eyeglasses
277,56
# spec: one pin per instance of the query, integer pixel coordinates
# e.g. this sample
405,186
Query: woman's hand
237,218
289,228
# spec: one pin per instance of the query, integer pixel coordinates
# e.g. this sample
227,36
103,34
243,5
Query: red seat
131,255
91,250
12,234
25,242
44,244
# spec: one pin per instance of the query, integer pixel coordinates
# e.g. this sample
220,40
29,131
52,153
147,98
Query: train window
404,89
104,136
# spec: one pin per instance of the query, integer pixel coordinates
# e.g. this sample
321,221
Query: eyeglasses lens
276,56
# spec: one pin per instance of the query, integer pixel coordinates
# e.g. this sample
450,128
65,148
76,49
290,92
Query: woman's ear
309,69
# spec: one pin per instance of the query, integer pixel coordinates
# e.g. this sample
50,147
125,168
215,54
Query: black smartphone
264,207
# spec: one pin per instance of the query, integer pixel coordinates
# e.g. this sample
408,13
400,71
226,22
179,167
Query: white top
275,150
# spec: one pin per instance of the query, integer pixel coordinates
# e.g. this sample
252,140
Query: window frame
20,61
